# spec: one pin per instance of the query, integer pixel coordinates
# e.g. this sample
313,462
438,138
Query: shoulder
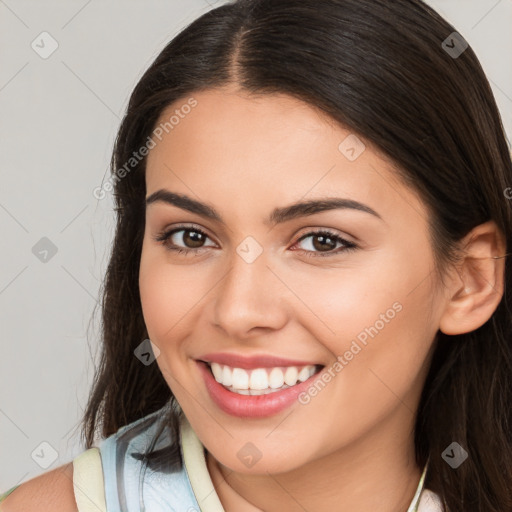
52,491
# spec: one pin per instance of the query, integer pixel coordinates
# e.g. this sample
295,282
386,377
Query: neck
378,472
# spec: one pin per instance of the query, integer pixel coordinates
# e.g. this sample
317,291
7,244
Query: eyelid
322,229
186,226
164,234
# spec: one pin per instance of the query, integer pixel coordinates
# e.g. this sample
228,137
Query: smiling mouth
260,381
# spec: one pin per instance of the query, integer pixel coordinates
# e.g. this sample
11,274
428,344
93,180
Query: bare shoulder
51,491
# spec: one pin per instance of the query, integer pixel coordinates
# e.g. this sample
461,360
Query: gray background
59,117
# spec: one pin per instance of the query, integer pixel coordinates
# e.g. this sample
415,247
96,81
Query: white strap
88,482
430,502
197,470
413,507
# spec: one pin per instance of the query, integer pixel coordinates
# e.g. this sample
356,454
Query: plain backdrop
66,72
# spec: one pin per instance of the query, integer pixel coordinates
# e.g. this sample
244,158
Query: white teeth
217,371
226,376
290,377
303,374
240,378
260,380
275,379
259,391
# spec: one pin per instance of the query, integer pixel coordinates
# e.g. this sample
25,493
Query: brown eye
326,242
192,238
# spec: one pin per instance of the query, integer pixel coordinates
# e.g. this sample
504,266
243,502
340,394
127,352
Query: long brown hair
380,68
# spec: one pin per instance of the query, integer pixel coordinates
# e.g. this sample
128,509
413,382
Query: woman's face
261,284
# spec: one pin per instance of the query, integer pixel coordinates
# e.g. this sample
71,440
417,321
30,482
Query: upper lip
251,362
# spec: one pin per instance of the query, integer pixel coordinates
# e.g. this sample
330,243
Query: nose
250,298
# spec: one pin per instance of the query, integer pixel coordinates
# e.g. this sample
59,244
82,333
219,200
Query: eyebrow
278,215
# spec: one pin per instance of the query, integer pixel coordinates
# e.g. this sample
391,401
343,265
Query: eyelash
165,235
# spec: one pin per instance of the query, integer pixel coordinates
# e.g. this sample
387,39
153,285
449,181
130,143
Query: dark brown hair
379,68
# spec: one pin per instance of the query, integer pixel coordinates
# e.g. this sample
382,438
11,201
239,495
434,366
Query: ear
477,282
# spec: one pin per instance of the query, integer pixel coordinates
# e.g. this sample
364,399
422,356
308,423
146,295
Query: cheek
166,298
340,303
165,292
386,291
379,319
378,362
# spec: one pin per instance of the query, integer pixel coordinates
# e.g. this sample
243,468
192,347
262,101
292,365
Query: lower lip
251,406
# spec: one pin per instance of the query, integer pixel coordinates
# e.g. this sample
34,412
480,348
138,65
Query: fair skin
49,492
351,447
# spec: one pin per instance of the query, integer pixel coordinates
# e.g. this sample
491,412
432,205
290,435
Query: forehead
270,149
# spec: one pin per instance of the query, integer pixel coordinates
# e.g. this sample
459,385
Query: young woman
308,304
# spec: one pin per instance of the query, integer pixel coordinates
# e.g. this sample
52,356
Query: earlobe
478,285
